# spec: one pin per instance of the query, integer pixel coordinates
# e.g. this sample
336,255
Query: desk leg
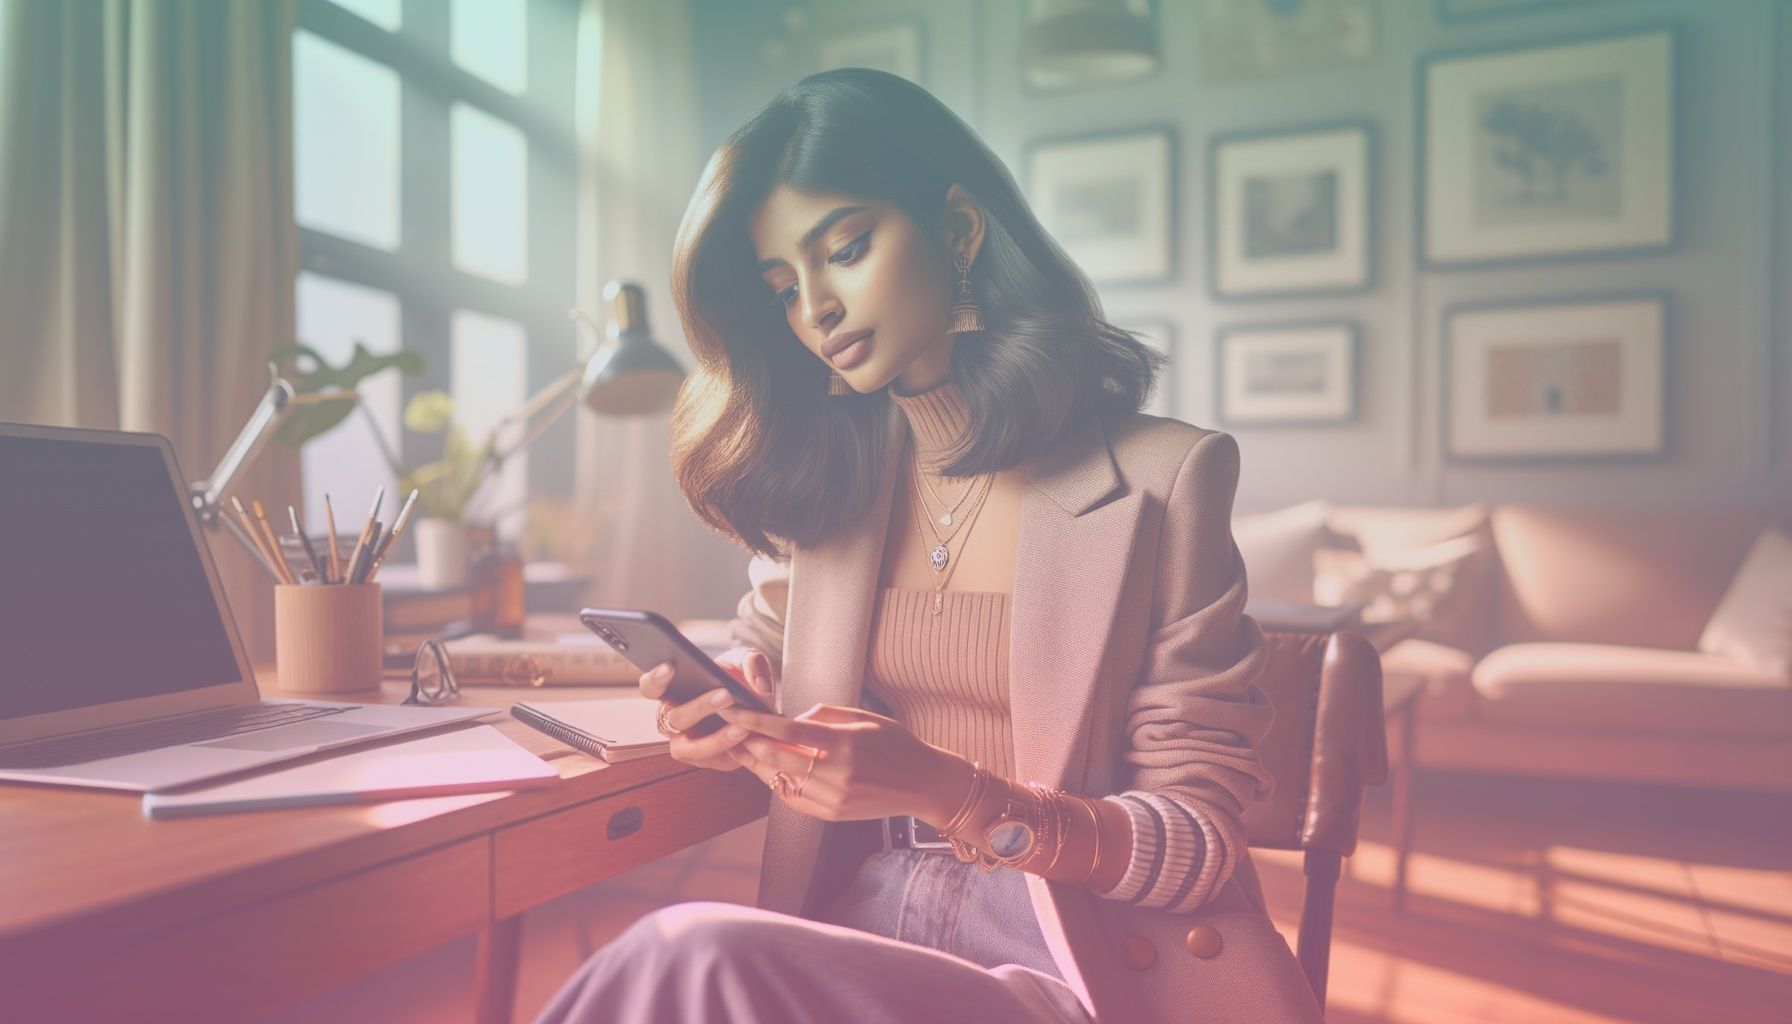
1402,824
494,971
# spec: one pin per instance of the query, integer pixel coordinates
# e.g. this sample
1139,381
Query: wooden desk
106,915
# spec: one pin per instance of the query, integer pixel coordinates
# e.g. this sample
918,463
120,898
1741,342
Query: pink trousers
917,936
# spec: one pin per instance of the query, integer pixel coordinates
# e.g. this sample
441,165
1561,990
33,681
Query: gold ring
780,783
662,725
814,753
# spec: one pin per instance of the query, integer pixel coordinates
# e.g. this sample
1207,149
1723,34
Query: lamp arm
537,414
207,494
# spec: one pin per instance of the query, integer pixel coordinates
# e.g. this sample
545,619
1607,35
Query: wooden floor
1531,901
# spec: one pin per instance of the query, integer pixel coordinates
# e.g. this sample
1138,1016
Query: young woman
999,610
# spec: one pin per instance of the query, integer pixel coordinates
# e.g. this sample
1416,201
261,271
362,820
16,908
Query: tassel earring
967,317
837,385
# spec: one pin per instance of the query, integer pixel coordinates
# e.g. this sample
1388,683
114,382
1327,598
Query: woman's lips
853,354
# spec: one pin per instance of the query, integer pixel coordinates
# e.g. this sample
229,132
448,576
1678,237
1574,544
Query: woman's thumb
759,673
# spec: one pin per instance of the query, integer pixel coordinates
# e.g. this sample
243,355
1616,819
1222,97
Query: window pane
346,462
489,38
489,378
384,13
491,195
345,143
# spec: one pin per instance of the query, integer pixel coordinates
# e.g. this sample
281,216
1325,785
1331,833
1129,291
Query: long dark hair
761,452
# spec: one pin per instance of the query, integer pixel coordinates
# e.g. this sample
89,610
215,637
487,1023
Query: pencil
254,535
363,562
261,518
404,519
354,559
335,556
317,567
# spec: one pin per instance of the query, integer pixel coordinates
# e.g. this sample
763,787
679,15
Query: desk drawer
563,852
248,962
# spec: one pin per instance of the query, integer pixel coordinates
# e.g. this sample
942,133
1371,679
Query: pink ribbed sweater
946,678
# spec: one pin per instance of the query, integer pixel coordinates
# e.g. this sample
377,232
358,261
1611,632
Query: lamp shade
1078,43
632,375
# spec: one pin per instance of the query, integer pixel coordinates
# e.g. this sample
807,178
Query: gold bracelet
1095,862
1052,823
979,783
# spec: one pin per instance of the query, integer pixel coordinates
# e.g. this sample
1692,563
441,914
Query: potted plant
445,489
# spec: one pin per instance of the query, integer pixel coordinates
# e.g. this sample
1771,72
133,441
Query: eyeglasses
432,680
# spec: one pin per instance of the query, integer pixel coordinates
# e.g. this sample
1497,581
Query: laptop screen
103,595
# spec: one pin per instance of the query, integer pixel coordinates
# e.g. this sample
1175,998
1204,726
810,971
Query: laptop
120,664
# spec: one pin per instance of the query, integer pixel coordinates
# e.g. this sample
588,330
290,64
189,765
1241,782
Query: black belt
903,832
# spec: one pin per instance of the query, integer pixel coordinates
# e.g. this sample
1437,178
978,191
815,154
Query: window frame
420,273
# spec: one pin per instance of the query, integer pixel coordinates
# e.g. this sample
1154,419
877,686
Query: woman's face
857,271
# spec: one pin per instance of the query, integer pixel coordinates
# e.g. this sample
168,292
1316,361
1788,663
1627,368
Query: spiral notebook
615,729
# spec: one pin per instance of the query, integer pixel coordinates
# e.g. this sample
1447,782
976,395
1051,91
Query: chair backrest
1327,743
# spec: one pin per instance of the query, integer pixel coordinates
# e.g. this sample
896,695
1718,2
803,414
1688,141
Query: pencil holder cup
328,638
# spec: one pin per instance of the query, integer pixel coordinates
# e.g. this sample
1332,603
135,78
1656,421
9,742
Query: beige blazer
1131,666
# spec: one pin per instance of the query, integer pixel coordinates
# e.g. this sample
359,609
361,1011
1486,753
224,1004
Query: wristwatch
1008,840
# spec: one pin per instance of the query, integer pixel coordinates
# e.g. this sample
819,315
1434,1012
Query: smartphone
647,638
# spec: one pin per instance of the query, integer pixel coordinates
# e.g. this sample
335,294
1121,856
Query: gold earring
966,316
837,385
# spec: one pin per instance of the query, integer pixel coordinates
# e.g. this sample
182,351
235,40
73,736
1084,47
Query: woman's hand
751,666
865,765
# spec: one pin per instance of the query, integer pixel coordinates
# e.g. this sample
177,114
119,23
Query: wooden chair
1327,743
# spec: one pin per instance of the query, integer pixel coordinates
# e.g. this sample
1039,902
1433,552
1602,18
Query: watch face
1009,838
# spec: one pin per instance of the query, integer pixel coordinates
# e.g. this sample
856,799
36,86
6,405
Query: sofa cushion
1753,622
1610,687
1444,671
1615,576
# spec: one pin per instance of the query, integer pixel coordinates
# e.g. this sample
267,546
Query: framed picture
1553,151
1110,201
1160,335
1565,378
1241,41
1291,212
893,46
1286,374
1050,78
1471,10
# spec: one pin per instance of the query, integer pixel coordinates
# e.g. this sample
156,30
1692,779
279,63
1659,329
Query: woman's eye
851,253
787,296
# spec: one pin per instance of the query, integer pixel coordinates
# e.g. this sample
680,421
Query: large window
434,184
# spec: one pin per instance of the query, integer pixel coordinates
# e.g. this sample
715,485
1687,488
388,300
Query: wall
1728,377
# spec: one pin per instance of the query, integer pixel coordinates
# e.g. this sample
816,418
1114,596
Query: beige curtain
641,158
147,248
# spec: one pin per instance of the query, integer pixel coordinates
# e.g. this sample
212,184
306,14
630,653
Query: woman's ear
963,224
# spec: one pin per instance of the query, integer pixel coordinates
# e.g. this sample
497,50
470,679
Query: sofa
1554,641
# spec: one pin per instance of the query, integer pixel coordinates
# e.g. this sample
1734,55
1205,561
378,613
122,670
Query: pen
354,560
267,532
404,519
335,556
254,535
317,567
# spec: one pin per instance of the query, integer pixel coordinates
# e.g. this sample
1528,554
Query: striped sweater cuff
1171,843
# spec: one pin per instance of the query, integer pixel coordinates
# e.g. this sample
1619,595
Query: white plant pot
442,546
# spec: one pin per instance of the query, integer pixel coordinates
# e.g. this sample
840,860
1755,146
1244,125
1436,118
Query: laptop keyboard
172,732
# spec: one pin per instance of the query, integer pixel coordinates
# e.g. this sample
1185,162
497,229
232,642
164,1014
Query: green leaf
311,373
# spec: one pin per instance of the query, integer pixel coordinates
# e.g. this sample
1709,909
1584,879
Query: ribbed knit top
945,676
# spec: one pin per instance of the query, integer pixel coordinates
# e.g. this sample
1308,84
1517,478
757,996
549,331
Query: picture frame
1560,150
1577,377
1160,334
1032,86
1109,199
897,46
1242,42
1291,211
1286,374
1475,10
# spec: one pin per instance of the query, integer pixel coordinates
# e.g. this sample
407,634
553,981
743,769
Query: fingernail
735,732
721,698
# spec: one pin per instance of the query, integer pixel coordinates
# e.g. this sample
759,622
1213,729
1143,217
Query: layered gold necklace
940,558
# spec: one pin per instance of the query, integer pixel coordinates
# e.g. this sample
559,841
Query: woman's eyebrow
821,226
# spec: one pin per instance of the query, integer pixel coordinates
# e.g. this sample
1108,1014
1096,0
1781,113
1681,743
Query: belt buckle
915,842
